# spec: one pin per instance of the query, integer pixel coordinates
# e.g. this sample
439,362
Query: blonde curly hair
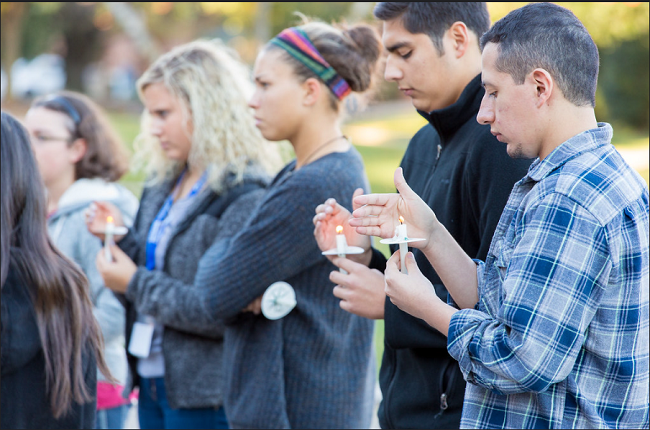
214,87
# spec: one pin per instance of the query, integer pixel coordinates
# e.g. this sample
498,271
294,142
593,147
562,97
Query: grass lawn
381,142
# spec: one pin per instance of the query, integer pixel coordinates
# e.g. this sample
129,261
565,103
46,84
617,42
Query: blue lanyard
159,226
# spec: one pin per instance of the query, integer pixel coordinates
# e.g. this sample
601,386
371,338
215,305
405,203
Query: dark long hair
66,324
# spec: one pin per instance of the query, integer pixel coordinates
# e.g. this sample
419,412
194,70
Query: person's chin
515,150
420,104
270,135
423,105
172,155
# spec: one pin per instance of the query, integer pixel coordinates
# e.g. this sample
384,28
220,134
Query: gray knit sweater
192,348
315,367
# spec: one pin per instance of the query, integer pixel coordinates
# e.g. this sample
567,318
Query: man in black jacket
460,170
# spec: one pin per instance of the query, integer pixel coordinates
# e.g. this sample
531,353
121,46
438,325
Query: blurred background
101,48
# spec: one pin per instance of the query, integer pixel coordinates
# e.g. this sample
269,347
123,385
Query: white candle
108,239
400,232
341,244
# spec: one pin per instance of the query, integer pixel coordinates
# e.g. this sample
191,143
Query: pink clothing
109,396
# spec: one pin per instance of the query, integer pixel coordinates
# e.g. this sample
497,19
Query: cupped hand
330,215
117,273
412,293
378,214
361,290
96,216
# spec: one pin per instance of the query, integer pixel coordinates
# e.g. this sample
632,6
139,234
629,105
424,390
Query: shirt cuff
462,326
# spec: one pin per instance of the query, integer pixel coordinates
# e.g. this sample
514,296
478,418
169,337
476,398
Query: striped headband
297,44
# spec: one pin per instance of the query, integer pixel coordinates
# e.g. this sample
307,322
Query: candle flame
339,229
109,219
401,219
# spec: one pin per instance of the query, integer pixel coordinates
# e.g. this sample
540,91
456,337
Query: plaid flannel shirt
559,338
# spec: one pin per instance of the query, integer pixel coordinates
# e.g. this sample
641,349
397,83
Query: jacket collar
571,148
448,120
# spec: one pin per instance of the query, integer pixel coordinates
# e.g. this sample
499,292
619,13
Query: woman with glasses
80,157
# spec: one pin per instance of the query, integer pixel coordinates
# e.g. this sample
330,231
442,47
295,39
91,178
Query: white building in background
42,75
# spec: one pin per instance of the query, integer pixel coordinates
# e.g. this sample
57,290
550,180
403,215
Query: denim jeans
112,418
155,413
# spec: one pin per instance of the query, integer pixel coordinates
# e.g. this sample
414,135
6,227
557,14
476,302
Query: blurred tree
69,29
82,26
620,29
134,24
624,83
11,19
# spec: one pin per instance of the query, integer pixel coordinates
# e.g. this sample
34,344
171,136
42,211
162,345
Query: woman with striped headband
315,367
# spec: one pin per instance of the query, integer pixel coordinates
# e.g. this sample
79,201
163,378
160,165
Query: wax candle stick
108,239
402,239
403,246
341,244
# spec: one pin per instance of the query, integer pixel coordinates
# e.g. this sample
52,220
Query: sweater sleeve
172,301
276,244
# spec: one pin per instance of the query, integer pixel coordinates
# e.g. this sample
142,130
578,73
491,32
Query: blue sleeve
550,283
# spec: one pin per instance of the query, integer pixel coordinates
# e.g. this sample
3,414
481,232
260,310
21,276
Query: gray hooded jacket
67,229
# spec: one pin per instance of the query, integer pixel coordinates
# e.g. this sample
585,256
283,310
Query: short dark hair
550,37
433,19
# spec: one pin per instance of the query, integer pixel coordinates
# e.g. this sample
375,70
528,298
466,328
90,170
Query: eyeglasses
44,138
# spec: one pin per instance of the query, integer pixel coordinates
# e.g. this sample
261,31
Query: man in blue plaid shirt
552,330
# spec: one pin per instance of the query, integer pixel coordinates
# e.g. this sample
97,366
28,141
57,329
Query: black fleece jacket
465,175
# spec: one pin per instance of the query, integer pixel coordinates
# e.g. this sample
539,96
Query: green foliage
283,13
620,30
624,82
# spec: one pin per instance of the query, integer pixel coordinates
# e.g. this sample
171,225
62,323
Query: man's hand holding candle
414,293
117,273
378,214
329,216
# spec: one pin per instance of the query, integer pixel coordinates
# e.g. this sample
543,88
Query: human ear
459,36
77,150
544,85
312,91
